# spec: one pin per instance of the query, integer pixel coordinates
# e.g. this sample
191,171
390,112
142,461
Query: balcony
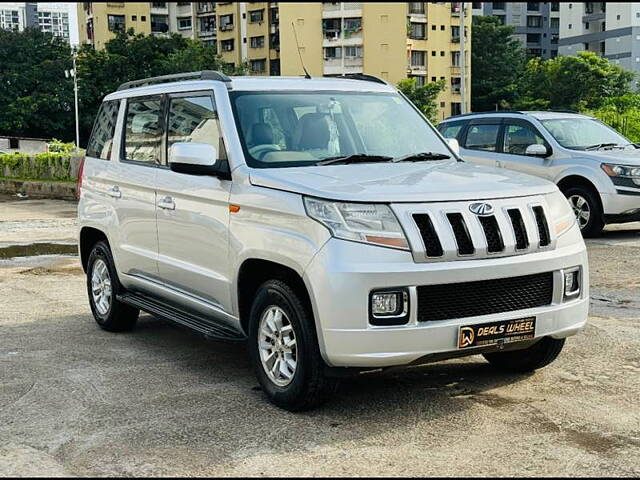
226,27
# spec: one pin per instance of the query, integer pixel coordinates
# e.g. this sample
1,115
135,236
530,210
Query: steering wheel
260,151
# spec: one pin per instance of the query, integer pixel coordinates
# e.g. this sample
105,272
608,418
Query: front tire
538,355
587,210
284,349
102,287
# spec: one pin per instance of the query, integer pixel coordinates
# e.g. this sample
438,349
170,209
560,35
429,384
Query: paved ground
75,400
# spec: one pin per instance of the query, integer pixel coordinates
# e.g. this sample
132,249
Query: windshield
286,129
583,133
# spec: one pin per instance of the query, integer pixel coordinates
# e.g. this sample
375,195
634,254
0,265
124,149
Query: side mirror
195,158
454,145
537,150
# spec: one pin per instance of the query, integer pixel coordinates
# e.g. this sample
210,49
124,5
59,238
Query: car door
518,135
193,210
132,186
481,141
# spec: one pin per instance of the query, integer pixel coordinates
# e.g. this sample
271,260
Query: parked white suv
327,222
595,167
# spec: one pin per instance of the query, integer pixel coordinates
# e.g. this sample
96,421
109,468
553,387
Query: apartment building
391,40
536,24
48,17
100,21
612,30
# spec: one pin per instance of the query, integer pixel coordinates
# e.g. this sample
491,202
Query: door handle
114,192
167,203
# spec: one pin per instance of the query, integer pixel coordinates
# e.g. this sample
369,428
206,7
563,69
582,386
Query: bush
623,114
43,166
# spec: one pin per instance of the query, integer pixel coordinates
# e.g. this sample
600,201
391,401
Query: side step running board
210,328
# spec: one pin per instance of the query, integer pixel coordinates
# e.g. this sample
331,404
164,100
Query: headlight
621,170
562,216
361,222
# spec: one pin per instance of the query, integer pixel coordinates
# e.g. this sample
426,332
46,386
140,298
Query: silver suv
593,165
326,223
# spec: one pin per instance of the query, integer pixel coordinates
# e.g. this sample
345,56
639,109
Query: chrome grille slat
450,231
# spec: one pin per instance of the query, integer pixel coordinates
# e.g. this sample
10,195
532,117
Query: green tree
131,56
497,64
579,82
423,97
623,114
36,99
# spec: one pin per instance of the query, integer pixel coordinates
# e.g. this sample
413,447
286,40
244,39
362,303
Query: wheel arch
579,181
89,236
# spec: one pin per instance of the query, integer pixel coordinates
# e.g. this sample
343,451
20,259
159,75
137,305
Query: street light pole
73,73
463,106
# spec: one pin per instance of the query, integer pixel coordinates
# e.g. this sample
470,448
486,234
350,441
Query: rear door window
482,137
143,130
101,141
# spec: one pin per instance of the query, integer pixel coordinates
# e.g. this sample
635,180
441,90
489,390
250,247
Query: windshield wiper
355,158
416,157
598,146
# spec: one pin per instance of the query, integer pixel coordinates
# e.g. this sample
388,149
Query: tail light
79,182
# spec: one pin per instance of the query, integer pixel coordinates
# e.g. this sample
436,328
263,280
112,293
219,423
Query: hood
402,182
630,156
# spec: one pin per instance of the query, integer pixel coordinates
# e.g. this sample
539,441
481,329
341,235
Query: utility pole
463,62
73,73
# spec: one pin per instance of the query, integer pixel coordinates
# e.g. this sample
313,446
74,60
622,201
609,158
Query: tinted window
143,130
482,137
101,140
518,137
451,130
193,119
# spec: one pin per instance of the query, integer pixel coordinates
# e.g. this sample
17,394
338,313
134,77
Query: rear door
193,210
481,141
133,187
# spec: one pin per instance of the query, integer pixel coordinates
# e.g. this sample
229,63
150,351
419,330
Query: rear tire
102,288
586,206
284,349
538,355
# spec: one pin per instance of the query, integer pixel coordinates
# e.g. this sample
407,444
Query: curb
34,189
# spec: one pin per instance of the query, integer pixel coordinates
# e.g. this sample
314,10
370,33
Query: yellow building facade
98,22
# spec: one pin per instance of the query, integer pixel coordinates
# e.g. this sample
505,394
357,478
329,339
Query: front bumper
626,203
342,274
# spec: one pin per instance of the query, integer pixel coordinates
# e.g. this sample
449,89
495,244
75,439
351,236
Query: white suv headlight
561,213
373,223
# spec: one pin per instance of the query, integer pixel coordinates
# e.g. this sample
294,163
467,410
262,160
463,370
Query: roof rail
362,76
489,112
176,77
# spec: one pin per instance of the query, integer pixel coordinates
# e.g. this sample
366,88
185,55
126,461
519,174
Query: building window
421,80
502,19
555,6
416,8
257,42
353,52
455,33
352,26
418,31
498,5
256,16
533,38
455,59
534,21
456,109
227,45
555,23
134,17
143,18
274,67
226,22
455,84
116,23
258,66
184,23
159,4
331,53
159,23
533,6
207,25
418,58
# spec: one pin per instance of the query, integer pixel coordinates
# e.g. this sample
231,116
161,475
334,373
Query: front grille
492,234
543,228
465,244
522,239
486,297
429,236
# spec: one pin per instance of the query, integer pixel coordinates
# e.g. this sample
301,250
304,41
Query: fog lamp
389,307
571,283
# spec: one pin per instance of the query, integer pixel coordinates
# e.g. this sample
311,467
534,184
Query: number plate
506,331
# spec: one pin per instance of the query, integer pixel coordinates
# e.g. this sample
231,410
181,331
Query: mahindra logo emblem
482,209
